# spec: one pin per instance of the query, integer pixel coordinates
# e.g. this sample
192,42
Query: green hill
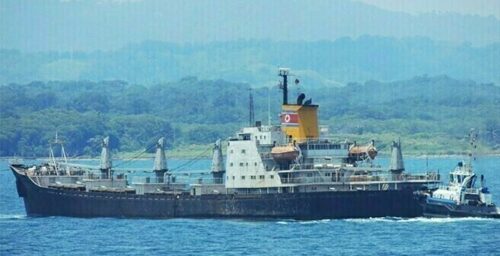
430,114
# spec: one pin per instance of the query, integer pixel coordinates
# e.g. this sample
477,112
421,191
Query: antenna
426,163
473,146
269,106
251,114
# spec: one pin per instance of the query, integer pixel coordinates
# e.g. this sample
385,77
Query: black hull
444,210
40,201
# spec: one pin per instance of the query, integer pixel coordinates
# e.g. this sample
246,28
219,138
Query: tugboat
270,171
461,197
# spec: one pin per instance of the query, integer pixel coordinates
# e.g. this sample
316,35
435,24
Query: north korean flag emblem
289,118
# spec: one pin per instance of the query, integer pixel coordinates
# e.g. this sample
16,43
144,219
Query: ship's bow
19,172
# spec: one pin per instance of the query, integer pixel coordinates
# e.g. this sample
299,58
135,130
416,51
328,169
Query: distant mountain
64,25
320,63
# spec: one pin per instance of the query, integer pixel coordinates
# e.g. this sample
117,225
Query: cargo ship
269,171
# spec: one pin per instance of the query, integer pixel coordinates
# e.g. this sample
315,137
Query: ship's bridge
262,135
322,148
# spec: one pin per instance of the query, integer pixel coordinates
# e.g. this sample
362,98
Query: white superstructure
249,163
461,187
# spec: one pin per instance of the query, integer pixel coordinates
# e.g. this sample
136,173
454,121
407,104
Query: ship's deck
92,182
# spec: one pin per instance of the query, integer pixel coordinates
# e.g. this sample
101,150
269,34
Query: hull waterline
42,201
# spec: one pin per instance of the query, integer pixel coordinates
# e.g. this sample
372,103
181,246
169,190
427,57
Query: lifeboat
284,153
362,152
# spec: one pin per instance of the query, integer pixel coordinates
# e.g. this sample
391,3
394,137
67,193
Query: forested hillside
430,114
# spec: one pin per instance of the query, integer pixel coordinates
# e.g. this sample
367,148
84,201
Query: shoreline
187,157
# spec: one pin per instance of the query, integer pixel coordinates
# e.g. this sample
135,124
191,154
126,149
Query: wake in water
390,219
419,220
12,216
303,222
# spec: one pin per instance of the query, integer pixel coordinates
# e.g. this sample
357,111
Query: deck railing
430,177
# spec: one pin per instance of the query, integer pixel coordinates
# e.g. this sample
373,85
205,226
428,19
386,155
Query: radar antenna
285,73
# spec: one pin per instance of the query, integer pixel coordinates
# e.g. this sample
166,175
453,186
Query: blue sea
21,235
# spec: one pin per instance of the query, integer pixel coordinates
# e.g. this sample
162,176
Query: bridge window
261,177
242,177
252,177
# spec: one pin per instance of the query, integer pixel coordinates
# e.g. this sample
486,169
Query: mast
106,164
251,113
160,164
269,106
283,72
52,156
473,146
63,152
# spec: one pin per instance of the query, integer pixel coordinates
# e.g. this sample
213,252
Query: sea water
21,235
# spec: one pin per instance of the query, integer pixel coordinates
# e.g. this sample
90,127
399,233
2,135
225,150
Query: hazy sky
472,7
62,25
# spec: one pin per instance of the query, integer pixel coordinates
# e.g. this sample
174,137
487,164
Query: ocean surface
21,235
